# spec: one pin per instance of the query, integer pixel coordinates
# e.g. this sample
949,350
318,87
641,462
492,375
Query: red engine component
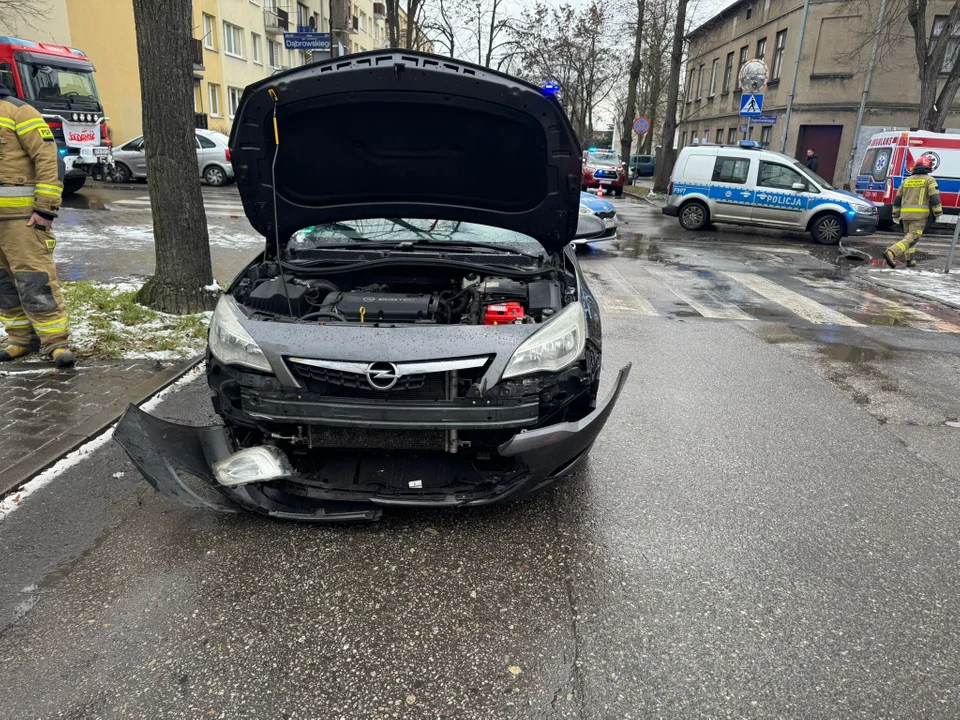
503,313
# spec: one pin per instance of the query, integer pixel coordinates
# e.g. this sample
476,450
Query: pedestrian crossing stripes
211,208
738,295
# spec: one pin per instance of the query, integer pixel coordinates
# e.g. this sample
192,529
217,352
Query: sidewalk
939,287
46,413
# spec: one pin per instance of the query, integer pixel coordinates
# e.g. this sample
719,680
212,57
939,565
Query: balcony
380,11
197,55
276,20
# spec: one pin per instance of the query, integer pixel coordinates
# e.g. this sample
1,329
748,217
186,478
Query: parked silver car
213,158
747,185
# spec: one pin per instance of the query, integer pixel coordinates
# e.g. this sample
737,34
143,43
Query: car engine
465,300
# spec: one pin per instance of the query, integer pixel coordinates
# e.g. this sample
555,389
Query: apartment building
829,81
236,42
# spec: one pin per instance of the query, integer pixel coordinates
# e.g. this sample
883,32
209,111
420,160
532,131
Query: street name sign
306,41
764,120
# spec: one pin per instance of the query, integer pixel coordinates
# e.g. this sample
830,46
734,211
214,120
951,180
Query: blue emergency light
62,151
551,87
749,143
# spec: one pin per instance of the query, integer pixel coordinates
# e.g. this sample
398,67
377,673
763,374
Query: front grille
605,173
606,214
364,439
337,383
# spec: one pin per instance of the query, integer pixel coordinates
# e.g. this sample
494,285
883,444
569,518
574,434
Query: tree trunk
393,22
629,111
668,153
164,35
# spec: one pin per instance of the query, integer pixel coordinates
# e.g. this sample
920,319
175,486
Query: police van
890,158
747,185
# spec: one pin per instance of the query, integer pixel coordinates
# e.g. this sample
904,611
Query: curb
22,471
922,296
127,187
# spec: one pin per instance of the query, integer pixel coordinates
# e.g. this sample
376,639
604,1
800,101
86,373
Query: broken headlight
230,343
558,344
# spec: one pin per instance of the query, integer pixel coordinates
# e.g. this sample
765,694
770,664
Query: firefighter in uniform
31,307
917,197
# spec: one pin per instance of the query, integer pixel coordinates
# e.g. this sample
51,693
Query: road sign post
953,247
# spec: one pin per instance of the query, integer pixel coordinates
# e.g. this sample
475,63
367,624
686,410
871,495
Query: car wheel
827,230
214,175
72,185
694,216
122,173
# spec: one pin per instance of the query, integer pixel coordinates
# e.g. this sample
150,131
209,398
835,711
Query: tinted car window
876,163
731,170
133,144
777,176
206,143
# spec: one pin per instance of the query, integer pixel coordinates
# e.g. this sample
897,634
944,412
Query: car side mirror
589,226
799,186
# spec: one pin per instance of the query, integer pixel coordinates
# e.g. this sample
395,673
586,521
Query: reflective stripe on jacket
30,174
917,197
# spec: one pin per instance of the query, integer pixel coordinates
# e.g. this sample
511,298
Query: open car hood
394,133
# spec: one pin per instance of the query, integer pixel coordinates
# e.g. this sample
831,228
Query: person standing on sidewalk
813,160
916,199
31,306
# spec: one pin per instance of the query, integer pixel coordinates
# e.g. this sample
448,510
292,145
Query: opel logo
382,375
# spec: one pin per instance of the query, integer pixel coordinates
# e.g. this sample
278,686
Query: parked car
213,158
593,205
399,342
747,185
602,168
643,165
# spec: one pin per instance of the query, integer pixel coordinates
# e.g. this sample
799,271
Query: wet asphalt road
766,528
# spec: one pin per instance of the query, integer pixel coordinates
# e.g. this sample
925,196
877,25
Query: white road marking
809,310
707,304
15,500
894,310
615,293
145,202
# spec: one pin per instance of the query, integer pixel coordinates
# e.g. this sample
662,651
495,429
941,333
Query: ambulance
890,158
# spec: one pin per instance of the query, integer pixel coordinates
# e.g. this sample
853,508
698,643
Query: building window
749,13
690,86
694,140
750,131
255,48
214,99
728,72
233,99
761,48
273,54
719,136
715,70
765,132
683,140
953,44
731,136
209,36
779,47
700,83
303,15
232,40
744,56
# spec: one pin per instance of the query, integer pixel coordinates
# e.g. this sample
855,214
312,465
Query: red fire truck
58,82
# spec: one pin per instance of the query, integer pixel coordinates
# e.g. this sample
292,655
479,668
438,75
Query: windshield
50,82
398,230
596,158
804,170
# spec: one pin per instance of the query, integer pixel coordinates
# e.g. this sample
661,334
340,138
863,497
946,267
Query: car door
138,158
781,197
200,162
209,151
730,188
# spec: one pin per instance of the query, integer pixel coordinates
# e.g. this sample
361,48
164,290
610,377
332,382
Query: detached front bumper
160,449
862,224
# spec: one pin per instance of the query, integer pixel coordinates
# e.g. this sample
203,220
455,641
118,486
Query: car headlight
864,209
584,210
557,344
229,342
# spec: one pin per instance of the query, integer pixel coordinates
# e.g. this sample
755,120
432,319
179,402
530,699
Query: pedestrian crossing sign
751,105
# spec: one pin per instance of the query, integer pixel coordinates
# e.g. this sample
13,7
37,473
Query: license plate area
948,219
101,151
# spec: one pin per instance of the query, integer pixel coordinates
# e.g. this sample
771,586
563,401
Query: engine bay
404,295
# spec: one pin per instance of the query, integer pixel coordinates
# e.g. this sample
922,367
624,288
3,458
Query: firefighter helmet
924,161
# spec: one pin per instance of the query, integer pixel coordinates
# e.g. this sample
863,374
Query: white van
747,185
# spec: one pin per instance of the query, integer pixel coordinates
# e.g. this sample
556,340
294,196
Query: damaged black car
417,331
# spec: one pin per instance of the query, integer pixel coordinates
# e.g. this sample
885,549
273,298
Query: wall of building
53,27
829,82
